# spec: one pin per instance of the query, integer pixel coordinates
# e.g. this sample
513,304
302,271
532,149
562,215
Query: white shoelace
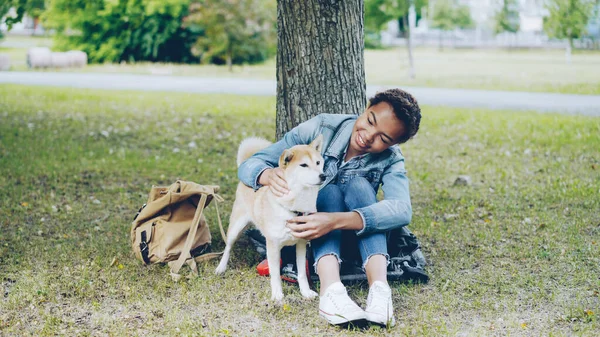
340,299
380,293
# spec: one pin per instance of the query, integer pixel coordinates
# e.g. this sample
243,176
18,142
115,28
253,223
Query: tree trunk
320,61
36,21
411,63
568,50
441,40
229,60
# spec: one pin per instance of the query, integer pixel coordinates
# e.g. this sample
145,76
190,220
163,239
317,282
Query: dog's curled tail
250,146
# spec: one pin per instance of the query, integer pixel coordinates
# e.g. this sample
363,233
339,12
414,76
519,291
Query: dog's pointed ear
317,143
285,158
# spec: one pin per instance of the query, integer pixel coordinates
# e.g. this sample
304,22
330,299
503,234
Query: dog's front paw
277,296
308,293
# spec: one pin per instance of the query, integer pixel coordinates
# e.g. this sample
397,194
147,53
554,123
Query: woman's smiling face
375,130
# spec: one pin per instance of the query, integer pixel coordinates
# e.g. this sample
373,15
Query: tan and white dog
303,171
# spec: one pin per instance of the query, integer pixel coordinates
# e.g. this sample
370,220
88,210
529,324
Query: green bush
180,31
236,31
123,30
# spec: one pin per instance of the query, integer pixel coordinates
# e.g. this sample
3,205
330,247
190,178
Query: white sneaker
379,304
337,308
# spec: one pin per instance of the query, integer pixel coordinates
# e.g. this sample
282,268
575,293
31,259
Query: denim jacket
385,169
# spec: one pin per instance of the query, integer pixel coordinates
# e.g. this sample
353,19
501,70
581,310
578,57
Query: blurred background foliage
122,30
568,18
448,16
507,19
235,32
178,31
34,8
379,12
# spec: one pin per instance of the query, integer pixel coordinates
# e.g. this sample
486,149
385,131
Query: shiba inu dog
303,171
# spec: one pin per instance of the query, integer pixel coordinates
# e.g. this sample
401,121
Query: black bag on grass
407,263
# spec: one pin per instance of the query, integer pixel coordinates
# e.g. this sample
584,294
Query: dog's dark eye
318,163
304,165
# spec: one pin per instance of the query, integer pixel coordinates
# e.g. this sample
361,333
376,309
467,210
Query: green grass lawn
535,70
516,253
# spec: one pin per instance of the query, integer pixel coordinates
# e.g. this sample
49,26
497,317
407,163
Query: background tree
448,16
462,17
568,20
33,8
4,8
122,30
320,61
507,18
379,12
235,31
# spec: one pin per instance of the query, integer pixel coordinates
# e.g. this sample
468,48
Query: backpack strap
209,256
185,256
217,200
185,252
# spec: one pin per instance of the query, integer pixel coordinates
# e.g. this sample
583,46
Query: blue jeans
343,197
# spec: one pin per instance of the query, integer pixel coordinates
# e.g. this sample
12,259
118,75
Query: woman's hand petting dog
275,179
312,226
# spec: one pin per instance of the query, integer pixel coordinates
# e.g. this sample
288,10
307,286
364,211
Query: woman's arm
392,212
395,210
315,225
251,169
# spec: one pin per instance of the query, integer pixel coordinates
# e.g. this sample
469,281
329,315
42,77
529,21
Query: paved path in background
461,98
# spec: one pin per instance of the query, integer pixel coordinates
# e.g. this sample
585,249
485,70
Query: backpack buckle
144,250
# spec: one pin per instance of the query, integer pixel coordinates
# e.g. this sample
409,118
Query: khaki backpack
171,228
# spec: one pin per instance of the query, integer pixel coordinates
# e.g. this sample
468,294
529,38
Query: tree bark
36,21
320,60
568,50
229,60
569,46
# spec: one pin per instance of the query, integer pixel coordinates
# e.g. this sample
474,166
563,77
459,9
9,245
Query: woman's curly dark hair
405,107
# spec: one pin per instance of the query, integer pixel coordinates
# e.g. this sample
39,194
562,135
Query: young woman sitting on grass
360,153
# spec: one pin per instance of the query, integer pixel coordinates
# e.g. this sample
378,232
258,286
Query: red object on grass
263,270
263,267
